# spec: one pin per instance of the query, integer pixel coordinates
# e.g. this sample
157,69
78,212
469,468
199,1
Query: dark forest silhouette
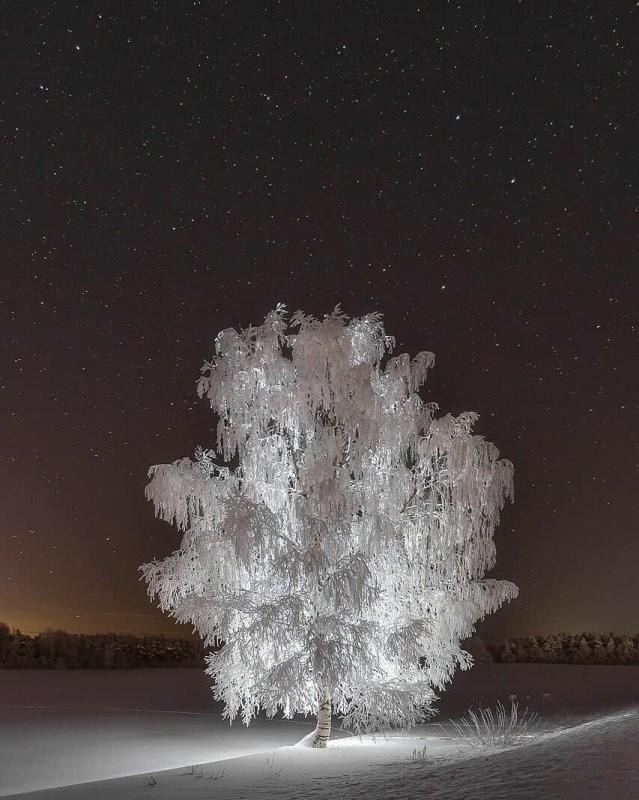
57,649
567,648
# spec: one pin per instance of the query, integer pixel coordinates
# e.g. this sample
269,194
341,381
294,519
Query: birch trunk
323,730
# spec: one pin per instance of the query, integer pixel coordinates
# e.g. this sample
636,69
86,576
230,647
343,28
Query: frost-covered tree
335,542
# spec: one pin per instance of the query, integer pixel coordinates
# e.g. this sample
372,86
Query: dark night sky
169,169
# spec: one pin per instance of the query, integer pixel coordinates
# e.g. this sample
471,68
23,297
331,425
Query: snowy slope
107,754
594,760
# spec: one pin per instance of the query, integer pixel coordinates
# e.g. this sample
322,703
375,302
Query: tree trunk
323,730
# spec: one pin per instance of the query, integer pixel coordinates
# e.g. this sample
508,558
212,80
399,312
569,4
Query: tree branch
409,501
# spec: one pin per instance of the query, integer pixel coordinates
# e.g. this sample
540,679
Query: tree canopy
335,541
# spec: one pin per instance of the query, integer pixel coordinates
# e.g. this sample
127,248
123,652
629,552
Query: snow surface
119,747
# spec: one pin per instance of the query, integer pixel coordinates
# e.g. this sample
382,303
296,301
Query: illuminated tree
336,541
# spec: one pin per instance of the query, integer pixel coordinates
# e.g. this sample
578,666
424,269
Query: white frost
339,537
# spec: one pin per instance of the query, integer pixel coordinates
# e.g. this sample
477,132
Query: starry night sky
169,169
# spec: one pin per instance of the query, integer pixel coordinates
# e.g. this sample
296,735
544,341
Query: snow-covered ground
155,733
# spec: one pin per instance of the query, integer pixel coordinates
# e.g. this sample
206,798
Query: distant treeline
57,649
567,648
61,650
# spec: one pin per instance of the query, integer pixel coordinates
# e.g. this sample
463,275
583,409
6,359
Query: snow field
132,751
